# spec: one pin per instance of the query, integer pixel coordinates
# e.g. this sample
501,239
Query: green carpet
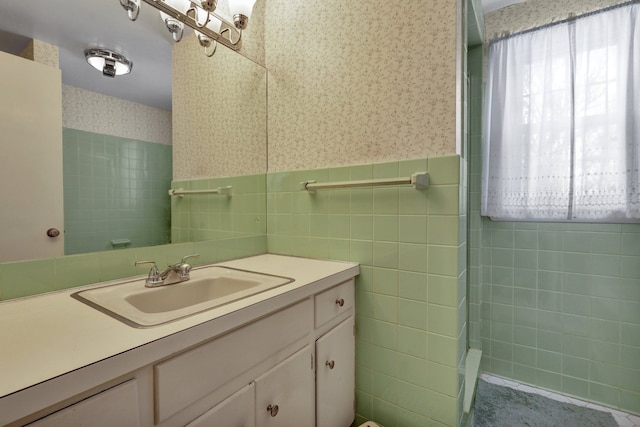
498,406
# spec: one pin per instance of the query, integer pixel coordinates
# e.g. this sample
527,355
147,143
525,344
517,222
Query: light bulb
241,11
181,5
242,7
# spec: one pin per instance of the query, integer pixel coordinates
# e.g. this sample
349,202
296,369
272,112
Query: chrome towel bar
419,180
225,191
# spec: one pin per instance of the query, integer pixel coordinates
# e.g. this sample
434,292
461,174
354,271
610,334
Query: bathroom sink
208,288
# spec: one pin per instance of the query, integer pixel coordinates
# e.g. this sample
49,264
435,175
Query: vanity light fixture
109,62
200,15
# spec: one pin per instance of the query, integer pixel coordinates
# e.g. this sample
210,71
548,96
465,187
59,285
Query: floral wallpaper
359,82
93,112
535,13
219,113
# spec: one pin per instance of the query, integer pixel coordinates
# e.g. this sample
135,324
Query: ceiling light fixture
201,16
109,62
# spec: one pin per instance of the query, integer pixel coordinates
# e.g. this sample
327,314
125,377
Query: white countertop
48,335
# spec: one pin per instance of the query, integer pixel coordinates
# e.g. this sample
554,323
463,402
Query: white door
30,160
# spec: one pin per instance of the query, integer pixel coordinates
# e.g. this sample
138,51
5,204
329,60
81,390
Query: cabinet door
335,376
117,406
285,394
235,411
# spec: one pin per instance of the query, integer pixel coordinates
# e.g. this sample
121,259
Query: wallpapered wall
358,82
332,88
219,113
41,52
94,112
534,13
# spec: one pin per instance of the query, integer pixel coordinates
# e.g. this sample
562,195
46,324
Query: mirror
219,124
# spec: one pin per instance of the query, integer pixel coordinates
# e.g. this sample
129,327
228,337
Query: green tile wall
474,269
410,332
114,188
557,304
25,278
196,218
213,216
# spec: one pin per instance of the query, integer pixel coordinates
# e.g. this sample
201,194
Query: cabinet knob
53,232
330,364
273,410
340,302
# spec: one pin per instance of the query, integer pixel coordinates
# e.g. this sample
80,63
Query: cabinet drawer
333,302
117,406
236,411
190,376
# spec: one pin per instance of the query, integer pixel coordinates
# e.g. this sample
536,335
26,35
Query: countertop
48,335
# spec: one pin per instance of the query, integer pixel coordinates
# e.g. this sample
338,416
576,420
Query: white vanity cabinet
284,361
194,380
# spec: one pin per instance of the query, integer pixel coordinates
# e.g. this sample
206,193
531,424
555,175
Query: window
562,121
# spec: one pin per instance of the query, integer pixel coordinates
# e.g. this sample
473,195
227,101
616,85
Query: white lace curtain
562,122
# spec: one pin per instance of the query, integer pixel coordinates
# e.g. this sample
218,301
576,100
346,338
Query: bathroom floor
623,419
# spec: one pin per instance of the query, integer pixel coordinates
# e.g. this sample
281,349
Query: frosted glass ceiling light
109,62
200,15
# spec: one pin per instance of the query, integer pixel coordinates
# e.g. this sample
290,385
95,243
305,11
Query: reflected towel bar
419,180
226,191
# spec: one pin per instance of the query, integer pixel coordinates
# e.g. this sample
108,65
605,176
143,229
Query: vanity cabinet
116,406
201,377
290,365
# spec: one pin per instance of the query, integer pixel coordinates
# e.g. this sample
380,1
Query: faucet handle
153,278
185,268
184,258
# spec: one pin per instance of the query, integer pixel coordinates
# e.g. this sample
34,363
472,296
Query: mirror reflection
118,144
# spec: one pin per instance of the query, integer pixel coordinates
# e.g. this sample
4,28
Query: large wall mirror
118,165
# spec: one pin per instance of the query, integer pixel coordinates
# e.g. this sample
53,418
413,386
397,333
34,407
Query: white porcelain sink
209,287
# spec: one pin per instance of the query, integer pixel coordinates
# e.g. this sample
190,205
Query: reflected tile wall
212,216
114,188
26,278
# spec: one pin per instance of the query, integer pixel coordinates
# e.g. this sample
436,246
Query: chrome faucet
175,273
